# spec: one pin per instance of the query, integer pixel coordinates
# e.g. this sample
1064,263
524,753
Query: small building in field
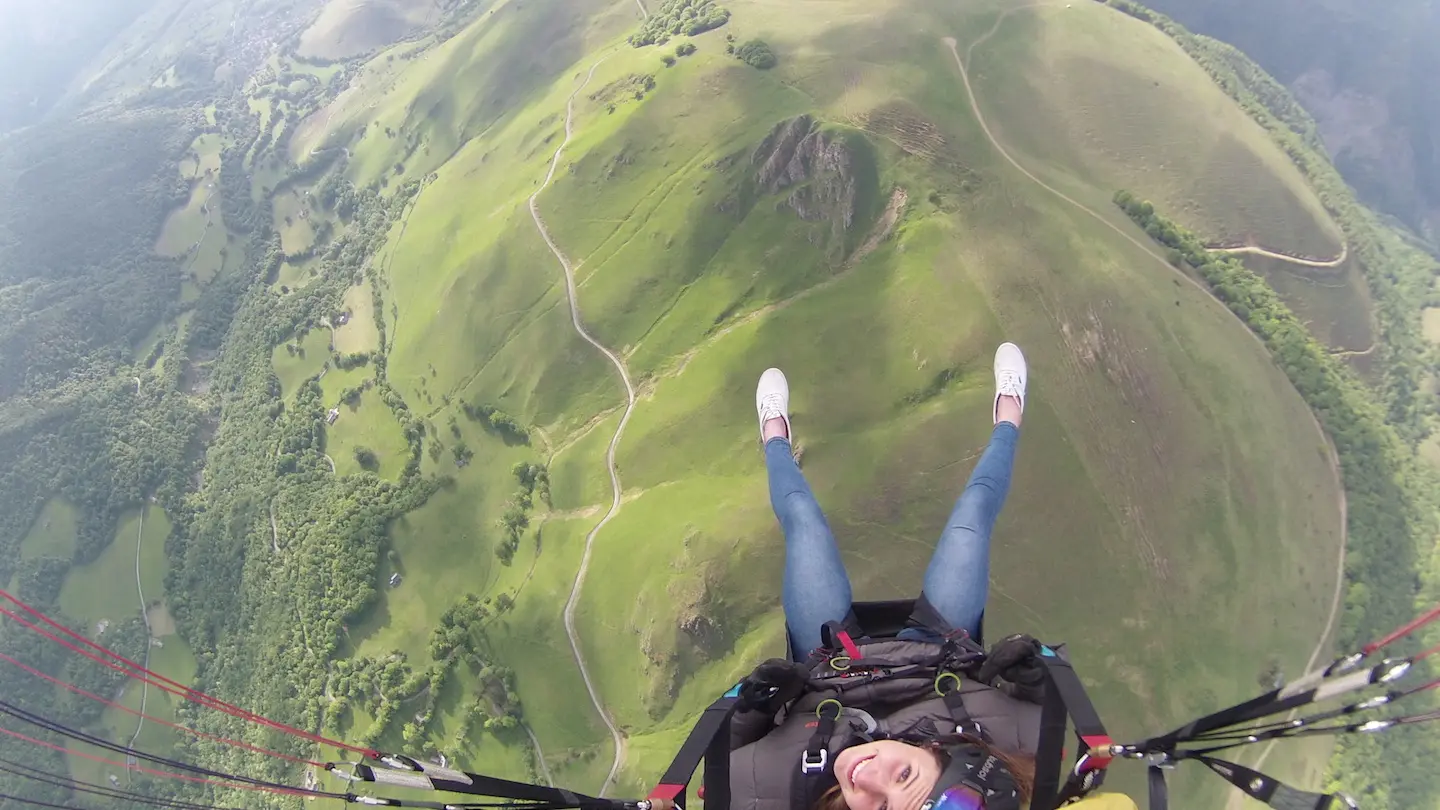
394,580
332,416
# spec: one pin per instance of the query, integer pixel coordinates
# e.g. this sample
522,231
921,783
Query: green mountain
380,359
1365,71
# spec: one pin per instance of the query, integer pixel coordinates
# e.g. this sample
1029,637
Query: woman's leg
958,579
815,588
957,582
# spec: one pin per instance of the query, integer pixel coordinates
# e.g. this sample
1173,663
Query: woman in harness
889,724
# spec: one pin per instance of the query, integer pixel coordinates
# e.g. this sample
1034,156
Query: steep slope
1062,93
349,27
1364,71
1162,448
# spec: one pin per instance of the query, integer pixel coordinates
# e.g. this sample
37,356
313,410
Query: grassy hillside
1079,107
1335,303
1162,448
349,27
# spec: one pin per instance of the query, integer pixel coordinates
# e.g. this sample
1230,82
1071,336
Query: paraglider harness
838,667
1044,671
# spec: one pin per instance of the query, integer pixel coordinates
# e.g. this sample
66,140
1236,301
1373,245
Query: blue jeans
816,588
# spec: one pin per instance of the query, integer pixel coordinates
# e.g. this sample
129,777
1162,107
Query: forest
68,305
1393,502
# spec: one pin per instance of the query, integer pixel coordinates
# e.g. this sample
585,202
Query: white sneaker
772,401
1010,377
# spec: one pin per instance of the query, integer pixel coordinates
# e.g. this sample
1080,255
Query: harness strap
834,635
1159,793
816,759
1065,696
816,772
709,740
965,723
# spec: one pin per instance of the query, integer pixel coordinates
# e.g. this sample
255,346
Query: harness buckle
816,765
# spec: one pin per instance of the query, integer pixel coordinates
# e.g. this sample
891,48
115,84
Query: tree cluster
534,483
498,422
757,54
677,17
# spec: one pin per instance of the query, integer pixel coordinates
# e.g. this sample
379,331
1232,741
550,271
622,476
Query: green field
292,221
1165,457
204,159
368,424
53,533
304,358
293,276
1061,92
105,588
185,226
197,231
359,333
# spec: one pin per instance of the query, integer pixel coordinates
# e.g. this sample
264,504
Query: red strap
1095,761
849,644
666,792
1403,631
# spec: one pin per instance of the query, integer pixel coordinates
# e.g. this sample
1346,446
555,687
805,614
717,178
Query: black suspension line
45,777
18,713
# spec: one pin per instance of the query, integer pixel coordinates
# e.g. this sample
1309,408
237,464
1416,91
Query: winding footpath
1236,799
1256,250
576,321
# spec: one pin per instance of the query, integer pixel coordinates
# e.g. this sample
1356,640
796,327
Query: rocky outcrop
818,165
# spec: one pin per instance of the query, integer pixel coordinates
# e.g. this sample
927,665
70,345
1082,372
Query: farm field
292,222
367,424
304,359
105,588
358,334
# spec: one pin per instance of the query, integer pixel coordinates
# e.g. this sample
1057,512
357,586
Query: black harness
838,667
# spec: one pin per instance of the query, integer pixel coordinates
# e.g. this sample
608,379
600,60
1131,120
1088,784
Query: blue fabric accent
734,691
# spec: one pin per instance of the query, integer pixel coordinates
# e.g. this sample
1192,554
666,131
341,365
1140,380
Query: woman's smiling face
886,775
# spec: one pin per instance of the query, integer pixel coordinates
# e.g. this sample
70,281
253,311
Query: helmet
973,779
